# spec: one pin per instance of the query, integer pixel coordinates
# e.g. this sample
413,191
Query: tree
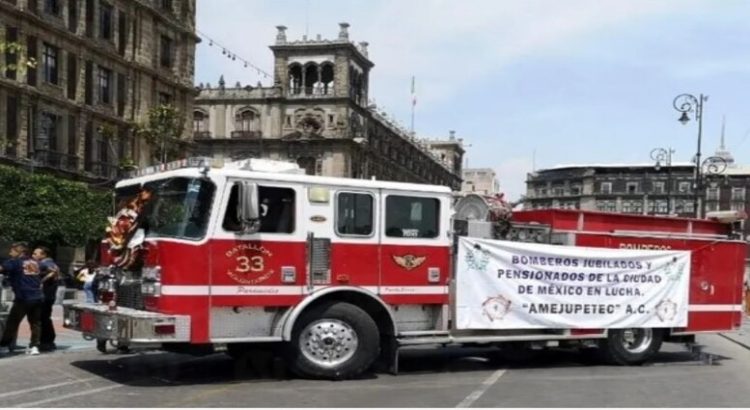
162,131
45,209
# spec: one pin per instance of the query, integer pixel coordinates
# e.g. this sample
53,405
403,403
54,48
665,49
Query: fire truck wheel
632,346
333,341
101,345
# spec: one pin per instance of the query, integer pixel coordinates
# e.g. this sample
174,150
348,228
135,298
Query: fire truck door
264,268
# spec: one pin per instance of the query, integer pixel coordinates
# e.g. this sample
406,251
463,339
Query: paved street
429,378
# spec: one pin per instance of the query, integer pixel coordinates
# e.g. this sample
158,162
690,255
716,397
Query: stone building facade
649,189
101,65
627,188
480,181
317,114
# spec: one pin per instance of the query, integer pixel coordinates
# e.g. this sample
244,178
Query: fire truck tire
628,347
335,340
101,345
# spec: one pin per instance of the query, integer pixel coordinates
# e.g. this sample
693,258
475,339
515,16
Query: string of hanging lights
232,55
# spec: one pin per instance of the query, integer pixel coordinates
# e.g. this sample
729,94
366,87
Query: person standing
50,274
27,289
87,276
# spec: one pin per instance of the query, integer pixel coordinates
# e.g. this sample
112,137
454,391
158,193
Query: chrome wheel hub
328,342
637,340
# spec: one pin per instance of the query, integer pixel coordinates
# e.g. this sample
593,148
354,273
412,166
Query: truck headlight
151,273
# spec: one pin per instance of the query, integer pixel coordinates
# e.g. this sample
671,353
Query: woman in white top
87,275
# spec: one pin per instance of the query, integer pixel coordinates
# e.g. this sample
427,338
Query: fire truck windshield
175,207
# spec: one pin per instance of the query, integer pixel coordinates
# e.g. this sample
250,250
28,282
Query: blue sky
576,81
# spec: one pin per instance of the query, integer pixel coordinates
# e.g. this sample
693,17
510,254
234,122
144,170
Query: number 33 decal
252,264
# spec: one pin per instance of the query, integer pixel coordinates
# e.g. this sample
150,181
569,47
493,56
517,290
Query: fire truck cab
336,272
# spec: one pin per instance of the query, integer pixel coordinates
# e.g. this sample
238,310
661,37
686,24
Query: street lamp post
664,156
687,103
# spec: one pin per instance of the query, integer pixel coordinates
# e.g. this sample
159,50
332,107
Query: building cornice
329,45
327,142
271,97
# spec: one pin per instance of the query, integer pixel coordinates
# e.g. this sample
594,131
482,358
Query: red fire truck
338,273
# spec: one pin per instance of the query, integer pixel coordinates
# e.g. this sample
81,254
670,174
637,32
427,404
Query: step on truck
340,273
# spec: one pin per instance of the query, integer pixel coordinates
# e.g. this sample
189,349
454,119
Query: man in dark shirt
50,275
27,290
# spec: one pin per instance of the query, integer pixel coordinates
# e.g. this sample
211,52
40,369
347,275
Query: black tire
337,332
101,345
121,349
629,347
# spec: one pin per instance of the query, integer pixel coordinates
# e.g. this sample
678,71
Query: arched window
295,78
310,76
247,120
200,121
326,78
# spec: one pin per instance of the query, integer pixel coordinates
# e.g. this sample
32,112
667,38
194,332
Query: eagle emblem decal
409,262
495,308
666,310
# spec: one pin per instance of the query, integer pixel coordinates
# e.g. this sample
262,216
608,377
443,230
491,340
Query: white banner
513,285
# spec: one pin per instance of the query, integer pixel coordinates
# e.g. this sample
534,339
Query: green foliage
162,132
44,209
23,61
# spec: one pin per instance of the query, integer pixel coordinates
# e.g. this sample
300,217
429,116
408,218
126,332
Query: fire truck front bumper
124,325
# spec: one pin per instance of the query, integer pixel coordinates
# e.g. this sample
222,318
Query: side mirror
247,207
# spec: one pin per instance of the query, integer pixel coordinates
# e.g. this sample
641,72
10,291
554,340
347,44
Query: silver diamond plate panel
246,322
417,317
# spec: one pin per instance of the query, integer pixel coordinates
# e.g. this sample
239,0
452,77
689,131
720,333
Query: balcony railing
201,135
56,160
103,169
310,92
248,135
